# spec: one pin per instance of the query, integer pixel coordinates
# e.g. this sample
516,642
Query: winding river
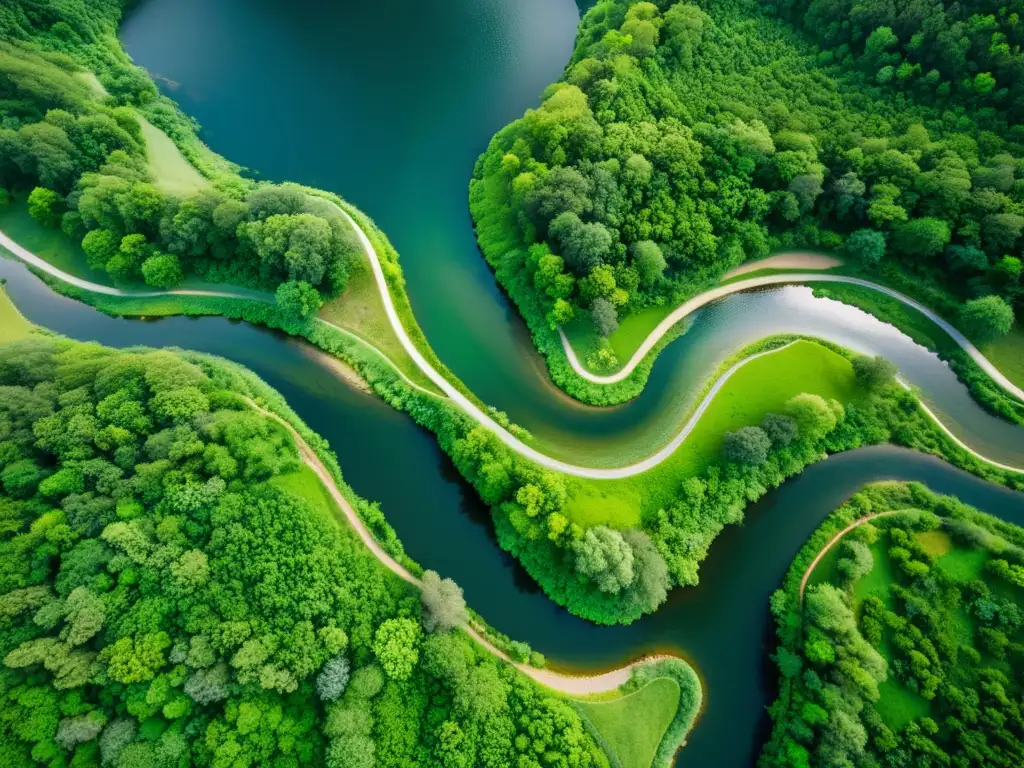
405,99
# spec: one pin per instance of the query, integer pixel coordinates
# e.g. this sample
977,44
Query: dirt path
785,261
834,540
571,685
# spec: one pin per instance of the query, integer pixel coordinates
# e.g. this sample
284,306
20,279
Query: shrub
747,445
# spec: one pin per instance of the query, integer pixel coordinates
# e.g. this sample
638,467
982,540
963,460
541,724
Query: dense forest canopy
170,597
685,138
909,651
77,144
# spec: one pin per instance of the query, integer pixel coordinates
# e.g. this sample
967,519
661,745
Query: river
389,104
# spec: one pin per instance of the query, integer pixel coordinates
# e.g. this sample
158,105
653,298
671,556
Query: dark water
721,625
389,104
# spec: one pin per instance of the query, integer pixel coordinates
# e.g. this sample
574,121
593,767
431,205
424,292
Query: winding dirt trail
485,420
572,685
835,539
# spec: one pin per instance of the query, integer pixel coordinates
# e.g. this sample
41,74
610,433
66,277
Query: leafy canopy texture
166,600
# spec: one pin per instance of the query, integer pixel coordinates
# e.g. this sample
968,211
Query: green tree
649,260
396,645
605,558
922,238
873,373
986,319
866,246
162,270
747,445
444,607
605,318
46,206
298,300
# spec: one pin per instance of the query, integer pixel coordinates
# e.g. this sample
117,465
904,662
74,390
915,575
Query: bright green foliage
162,270
298,299
883,672
986,319
747,445
172,593
396,646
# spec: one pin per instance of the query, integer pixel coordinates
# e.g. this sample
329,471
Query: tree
582,245
443,604
873,373
604,557
100,246
747,445
866,246
986,319
650,262
46,206
922,238
781,430
397,647
605,317
814,416
333,678
298,300
162,270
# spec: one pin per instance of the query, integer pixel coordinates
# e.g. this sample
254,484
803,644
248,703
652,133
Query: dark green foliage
873,373
298,300
947,642
747,445
866,246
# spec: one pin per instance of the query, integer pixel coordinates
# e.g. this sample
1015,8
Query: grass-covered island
687,137
178,588
900,637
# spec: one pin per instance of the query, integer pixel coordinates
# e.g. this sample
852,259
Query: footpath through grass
759,387
49,244
632,726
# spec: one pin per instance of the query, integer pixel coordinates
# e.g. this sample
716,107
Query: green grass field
1007,354
763,385
361,310
632,331
876,582
899,705
49,244
632,726
12,324
171,172
963,564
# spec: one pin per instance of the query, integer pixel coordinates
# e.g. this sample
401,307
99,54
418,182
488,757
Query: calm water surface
389,104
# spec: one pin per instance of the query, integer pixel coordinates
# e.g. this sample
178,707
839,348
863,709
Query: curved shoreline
484,419
721,291
573,685
713,294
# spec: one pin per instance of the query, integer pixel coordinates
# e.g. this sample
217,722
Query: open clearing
171,172
12,324
1008,353
762,386
633,726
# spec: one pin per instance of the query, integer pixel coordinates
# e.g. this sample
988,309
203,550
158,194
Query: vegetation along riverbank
686,138
182,557
908,631
607,550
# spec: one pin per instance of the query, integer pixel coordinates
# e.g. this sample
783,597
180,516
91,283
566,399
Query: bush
747,445
986,319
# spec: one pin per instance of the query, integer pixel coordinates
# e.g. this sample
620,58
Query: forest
172,595
686,138
906,648
72,140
